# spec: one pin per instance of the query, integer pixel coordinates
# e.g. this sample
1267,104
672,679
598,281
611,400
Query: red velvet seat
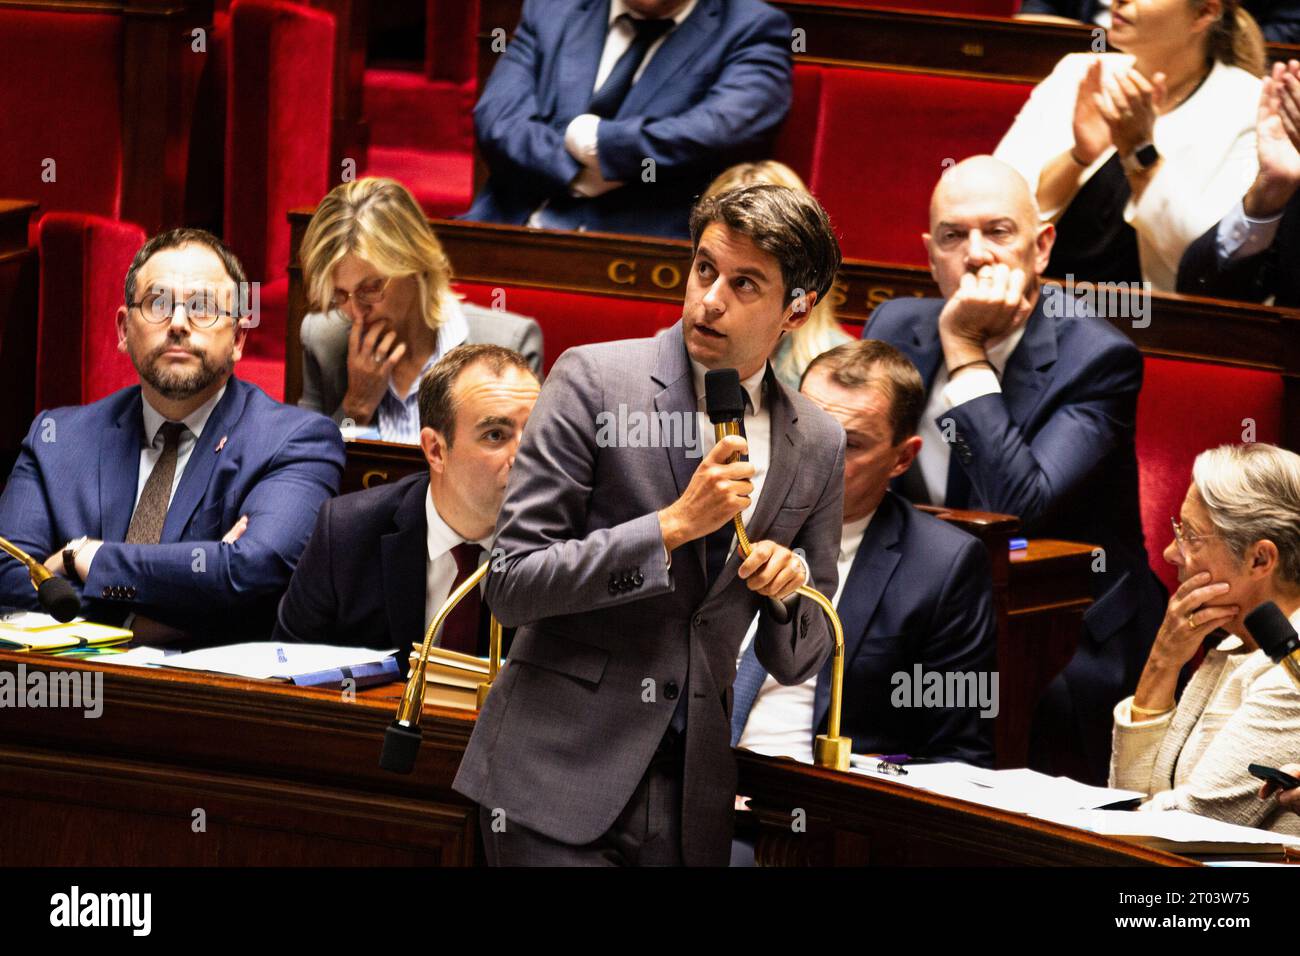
883,140
278,122
568,318
797,140
62,102
1176,423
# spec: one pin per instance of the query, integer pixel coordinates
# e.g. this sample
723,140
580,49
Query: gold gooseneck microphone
402,738
726,405
56,595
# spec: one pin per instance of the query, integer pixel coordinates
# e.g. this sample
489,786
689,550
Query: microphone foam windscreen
723,396
58,599
401,744
1272,631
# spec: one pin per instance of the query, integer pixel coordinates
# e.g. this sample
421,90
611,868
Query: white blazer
1208,145
1239,708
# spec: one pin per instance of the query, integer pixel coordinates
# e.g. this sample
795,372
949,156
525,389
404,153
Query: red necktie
460,629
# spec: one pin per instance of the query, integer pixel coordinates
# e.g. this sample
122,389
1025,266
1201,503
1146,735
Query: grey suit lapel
785,455
676,397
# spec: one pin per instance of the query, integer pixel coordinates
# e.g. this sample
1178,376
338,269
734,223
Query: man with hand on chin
606,740
1030,411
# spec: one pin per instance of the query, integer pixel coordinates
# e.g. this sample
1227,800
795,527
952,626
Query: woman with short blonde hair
822,331
381,284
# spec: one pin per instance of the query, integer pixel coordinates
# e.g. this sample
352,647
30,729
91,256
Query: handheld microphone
725,400
57,597
1273,632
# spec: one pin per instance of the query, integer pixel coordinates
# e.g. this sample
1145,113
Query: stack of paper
40,633
269,659
452,678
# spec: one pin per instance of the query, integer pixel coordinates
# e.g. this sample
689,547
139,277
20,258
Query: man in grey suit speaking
606,738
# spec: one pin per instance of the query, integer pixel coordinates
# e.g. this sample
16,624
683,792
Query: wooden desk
855,820
284,775
290,776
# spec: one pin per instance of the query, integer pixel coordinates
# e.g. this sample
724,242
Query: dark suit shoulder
892,320
943,542
372,510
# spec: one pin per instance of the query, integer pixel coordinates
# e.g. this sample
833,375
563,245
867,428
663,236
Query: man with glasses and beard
177,507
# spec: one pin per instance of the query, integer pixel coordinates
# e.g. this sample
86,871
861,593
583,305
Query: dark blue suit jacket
1279,20
1056,448
1249,278
919,592
78,473
361,579
714,94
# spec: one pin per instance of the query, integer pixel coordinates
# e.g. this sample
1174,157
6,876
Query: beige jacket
1239,708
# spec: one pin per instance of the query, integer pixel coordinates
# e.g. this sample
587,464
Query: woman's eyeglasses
369,292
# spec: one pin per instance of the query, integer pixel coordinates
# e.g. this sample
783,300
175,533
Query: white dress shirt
1207,142
440,571
945,394
582,133
1240,236
153,449
397,417
758,430
780,722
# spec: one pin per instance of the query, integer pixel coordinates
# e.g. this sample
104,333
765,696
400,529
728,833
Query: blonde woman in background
382,285
822,331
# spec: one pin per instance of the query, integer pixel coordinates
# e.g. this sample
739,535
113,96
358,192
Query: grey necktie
151,511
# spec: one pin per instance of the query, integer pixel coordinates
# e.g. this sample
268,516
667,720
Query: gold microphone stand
829,749
408,712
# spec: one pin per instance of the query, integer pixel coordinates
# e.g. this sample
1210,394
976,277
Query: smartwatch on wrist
70,552
1144,157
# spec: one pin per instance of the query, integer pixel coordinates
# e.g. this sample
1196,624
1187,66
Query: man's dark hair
786,223
878,365
174,239
437,404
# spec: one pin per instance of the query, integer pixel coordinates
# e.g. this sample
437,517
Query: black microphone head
1272,631
401,744
723,395
58,599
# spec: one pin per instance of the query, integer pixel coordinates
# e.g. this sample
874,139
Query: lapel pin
221,444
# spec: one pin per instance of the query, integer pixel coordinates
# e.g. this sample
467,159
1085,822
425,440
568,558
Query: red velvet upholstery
1174,426
442,183
884,139
422,135
62,101
568,318
798,137
451,39
83,268
277,127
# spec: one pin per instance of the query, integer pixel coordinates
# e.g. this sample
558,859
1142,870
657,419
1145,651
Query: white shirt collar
441,536
851,535
999,350
620,7
753,385
194,421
